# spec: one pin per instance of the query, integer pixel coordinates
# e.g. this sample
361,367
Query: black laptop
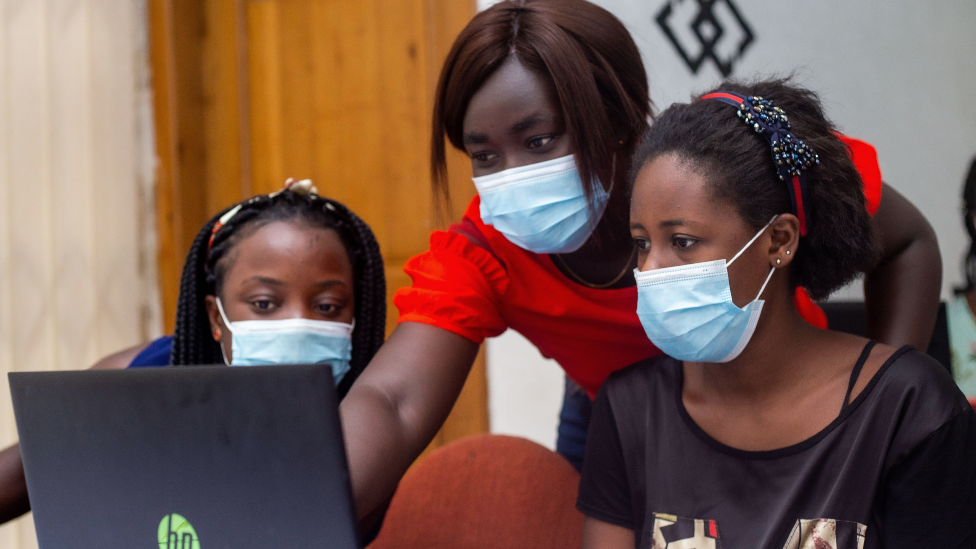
185,458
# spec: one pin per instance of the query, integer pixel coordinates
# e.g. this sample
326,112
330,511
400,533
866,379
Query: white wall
77,278
897,73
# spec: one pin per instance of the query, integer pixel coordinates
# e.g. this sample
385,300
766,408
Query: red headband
791,156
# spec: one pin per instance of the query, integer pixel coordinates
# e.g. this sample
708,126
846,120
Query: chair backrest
485,491
850,317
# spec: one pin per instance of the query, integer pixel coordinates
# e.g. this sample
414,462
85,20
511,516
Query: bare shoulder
119,360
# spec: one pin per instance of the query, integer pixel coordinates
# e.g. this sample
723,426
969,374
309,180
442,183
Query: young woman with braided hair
305,268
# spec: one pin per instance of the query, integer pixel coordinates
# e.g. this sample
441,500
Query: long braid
189,348
370,291
204,272
969,210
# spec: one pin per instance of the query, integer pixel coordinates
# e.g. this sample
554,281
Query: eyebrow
526,123
677,223
275,282
264,280
475,138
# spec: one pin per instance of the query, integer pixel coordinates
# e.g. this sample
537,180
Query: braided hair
968,211
204,272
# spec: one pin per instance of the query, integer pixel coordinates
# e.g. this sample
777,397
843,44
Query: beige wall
77,262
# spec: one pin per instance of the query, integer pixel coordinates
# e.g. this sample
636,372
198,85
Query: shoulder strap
857,371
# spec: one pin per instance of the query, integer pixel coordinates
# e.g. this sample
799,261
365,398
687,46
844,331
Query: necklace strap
577,278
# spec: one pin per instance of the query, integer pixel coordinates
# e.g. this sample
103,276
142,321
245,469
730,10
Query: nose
653,259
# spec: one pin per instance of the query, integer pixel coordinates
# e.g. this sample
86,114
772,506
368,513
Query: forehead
668,188
510,94
291,246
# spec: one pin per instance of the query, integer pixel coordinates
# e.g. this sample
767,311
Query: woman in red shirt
549,98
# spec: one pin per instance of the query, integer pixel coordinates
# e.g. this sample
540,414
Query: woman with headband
548,98
754,428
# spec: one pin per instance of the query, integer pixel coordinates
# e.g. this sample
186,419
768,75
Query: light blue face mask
688,313
541,207
290,341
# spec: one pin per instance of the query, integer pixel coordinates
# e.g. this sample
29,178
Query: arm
901,294
119,360
603,535
13,485
397,405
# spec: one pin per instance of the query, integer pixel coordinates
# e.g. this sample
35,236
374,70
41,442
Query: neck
769,365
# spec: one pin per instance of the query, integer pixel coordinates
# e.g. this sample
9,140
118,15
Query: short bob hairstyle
736,161
582,49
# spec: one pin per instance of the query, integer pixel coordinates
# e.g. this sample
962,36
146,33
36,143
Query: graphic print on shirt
826,534
674,532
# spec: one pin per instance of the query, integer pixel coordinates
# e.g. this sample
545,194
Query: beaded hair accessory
303,187
791,156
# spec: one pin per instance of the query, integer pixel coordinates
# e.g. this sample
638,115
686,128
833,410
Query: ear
217,328
784,234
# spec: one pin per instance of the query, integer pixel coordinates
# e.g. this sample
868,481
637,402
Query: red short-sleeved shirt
478,285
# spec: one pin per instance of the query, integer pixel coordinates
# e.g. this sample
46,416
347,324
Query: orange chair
485,491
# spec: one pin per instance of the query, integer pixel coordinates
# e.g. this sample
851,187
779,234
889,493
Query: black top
897,468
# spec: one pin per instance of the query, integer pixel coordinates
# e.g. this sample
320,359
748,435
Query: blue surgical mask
688,313
541,207
290,341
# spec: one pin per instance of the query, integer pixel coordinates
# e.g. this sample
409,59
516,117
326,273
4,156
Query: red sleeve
865,158
808,309
455,287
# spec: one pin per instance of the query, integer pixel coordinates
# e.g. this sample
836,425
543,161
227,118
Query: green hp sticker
175,532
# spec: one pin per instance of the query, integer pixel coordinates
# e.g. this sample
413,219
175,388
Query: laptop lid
186,458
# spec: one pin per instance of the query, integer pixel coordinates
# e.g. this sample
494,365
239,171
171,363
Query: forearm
397,405
915,277
902,292
13,486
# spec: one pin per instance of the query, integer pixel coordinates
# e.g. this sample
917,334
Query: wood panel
250,92
200,107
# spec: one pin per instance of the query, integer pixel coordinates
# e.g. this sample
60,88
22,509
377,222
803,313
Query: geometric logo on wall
706,29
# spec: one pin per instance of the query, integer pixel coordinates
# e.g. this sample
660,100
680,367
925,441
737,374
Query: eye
262,304
539,141
642,244
327,308
683,242
483,156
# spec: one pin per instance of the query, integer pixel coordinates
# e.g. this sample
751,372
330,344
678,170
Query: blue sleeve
155,354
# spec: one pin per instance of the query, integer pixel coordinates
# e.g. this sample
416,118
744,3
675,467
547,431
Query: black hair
737,162
968,210
203,275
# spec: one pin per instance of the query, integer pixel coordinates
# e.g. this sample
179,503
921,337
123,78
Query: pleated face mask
290,341
541,207
687,311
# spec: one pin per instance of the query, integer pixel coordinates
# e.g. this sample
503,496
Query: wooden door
250,92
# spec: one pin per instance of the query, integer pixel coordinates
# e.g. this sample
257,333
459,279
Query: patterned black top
897,468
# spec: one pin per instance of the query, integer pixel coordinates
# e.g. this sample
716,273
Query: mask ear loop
229,329
761,290
746,247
